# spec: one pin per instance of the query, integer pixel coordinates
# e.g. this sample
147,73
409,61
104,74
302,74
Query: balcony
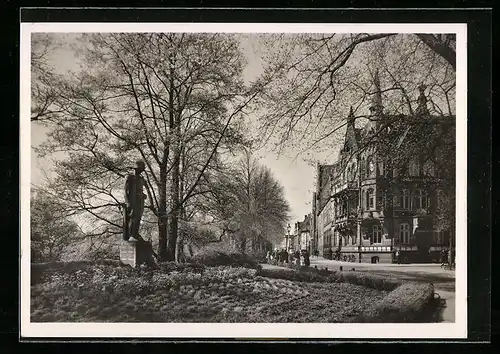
352,215
353,185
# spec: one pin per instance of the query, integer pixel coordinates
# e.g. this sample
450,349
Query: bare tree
42,76
149,96
250,203
52,233
321,76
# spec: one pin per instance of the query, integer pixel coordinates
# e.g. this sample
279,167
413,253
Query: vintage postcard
240,180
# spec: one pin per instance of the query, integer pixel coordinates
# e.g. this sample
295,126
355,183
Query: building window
439,199
414,167
438,240
428,168
404,233
380,200
370,199
370,168
404,199
376,234
381,168
420,200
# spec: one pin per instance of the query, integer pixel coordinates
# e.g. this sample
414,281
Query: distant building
303,234
365,207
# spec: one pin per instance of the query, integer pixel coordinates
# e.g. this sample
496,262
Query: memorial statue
134,202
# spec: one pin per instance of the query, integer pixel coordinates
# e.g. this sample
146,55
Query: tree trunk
174,123
162,216
190,250
450,256
180,248
174,213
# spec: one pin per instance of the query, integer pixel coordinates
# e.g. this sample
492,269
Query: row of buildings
374,201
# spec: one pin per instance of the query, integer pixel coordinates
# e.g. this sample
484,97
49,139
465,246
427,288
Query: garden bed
106,293
404,301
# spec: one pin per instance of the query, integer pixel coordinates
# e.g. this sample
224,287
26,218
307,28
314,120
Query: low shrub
213,258
369,280
40,271
294,275
407,303
259,257
308,274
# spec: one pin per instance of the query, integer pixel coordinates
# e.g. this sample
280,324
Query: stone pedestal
135,253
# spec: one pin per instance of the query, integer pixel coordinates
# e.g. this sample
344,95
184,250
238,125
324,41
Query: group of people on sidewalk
283,256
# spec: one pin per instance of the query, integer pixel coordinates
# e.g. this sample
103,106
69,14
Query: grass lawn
220,294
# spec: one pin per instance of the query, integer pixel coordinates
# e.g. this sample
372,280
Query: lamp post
287,237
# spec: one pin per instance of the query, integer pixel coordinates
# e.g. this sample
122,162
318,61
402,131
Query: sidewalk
416,268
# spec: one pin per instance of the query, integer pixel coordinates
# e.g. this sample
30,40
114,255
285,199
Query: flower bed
405,302
218,294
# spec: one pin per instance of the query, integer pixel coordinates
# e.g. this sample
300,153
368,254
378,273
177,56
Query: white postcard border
248,330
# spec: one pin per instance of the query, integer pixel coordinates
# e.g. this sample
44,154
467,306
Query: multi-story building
368,205
303,234
324,209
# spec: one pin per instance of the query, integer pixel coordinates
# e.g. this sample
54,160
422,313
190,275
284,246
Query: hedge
215,258
308,274
407,303
38,270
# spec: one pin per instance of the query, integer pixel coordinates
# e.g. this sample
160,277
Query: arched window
404,199
404,233
370,199
376,234
414,167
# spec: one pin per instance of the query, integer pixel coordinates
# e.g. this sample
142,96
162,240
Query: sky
295,175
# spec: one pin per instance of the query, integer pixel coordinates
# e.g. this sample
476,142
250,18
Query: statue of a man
134,202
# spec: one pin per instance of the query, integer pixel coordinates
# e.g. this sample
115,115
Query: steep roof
352,134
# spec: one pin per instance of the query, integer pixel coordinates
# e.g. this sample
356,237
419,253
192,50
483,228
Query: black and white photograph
214,178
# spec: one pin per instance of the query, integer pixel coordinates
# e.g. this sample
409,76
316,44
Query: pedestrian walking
307,260
398,257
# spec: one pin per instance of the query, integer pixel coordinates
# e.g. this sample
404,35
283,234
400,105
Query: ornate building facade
368,205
